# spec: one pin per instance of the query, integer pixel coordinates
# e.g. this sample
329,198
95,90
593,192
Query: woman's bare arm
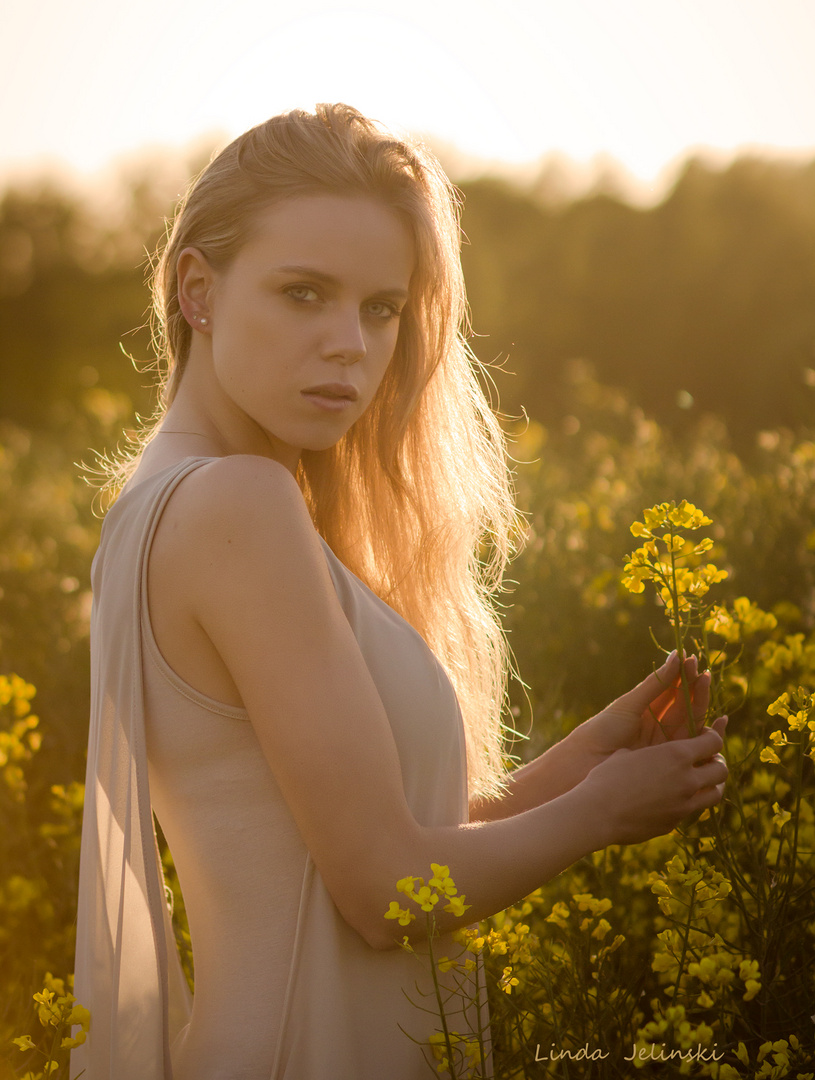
547,776
651,713
251,569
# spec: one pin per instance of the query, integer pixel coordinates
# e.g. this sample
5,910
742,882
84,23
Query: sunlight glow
637,80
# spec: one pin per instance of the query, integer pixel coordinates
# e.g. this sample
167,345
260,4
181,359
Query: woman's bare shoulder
234,558
238,476
241,517
238,493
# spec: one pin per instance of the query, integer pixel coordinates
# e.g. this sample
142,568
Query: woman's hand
652,713
640,760
647,792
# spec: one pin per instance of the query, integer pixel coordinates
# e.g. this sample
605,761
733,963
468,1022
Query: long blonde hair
416,498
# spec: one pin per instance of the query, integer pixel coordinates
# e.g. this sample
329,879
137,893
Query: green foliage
47,539
580,639
691,954
708,294
702,304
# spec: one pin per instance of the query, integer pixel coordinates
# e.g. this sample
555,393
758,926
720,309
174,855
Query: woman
292,630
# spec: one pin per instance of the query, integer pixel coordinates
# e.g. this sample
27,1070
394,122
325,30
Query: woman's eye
303,293
381,309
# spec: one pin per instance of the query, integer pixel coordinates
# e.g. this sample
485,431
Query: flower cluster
679,886
58,1011
457,1055
798,709
775,1060
672,1036
744,620
20,741
673,562
454,1049
678,586
426,896
694,954
781,656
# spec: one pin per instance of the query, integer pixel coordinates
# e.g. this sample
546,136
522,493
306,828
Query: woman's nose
344,339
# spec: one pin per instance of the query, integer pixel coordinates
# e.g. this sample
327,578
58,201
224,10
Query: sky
642,82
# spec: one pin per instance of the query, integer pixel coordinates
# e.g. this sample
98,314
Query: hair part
416,499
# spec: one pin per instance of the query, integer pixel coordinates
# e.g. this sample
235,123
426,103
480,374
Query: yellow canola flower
426,898
441,879
780,817
745,619
769,756
81,1016
603,927
507,980
46,1010
587,902
469,937
456,906
706,969
404,916
70,1044
687,516
559,914
408,884
58,1008
778,656
638,529
751,976
683,516
440,886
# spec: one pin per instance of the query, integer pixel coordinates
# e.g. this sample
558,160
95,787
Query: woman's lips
334,397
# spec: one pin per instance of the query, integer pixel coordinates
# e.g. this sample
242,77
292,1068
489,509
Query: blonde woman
296,664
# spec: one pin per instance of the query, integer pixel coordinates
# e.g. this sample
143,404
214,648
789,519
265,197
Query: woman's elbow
382,940
374,929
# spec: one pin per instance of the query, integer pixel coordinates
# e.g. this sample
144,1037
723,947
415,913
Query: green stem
479,970
685,942
431,929
800,748
680,643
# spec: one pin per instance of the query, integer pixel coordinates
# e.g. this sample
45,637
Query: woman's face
303,323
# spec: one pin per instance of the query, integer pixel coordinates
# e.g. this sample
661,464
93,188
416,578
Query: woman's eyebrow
328,279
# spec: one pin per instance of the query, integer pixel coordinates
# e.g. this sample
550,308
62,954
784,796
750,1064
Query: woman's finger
652,687
712,773
720,725
674,717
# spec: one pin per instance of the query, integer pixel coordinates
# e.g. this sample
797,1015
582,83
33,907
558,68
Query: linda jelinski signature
653,1052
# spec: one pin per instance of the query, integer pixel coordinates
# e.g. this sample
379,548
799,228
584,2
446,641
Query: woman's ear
195,279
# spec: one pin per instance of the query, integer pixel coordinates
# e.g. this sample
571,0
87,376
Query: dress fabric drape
285,988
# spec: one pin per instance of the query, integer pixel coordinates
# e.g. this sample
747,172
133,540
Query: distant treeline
704,303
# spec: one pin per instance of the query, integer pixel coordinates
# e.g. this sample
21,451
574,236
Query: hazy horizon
505,85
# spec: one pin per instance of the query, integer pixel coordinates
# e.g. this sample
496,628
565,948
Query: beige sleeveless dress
285,988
